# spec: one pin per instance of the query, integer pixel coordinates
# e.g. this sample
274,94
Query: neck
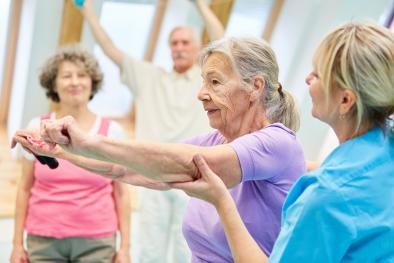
344,130
82,115
182,70
253,121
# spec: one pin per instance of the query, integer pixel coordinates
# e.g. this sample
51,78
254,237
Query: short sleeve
317,227
34,124
137,74
264,154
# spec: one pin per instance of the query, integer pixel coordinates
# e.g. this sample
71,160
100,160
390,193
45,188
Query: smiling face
184,50
73,84
223,97
326,104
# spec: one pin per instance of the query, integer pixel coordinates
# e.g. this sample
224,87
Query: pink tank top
70,201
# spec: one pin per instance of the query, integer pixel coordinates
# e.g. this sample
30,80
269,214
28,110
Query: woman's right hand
209,187
19,255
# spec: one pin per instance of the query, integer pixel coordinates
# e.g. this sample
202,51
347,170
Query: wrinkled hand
122,256
65,133
209,187
19,255
32,142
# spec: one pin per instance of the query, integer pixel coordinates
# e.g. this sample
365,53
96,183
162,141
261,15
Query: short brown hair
75,54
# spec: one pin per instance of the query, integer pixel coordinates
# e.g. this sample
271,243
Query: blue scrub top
343,211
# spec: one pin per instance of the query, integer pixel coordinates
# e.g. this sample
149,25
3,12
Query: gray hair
196,34
360,57
251,57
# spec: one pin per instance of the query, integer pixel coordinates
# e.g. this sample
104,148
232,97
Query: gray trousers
47,249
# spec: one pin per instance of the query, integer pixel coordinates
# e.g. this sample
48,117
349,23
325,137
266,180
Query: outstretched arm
213,25
100,35
158,161
31,142
212,189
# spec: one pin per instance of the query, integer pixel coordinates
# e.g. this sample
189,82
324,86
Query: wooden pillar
9,62
272,19
71,26
70,31
222,10
155,29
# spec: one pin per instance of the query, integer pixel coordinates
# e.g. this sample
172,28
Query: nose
308,79
74,79
203,94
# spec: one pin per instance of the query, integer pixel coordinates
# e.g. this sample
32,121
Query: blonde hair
251,57
360,57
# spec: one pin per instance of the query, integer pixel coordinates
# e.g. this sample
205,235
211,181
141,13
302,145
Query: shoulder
277,140
115,130
208,139
311,197
36,121
131,63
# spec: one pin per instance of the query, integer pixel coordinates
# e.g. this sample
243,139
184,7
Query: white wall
301,26
38,37
4,18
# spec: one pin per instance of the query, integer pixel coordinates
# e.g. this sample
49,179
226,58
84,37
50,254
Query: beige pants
47,249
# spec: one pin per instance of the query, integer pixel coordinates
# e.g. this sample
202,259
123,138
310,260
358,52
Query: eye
82,74
315,74
66,76
215,82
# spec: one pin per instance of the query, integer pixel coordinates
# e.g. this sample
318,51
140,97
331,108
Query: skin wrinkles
225,98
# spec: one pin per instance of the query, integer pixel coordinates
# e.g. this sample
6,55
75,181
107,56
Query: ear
258,88
348,100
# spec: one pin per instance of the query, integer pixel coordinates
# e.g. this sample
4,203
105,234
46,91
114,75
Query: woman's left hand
32,142
122,256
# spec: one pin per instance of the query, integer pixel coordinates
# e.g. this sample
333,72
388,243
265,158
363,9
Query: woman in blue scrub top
344,210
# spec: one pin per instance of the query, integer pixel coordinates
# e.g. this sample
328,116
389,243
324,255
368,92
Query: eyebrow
212,72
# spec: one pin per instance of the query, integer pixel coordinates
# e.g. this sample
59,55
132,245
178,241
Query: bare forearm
101,36
113,171
243,247
110,170
22,201
122,201
162,162
213,25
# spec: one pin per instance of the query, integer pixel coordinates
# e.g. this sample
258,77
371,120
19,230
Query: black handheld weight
50,161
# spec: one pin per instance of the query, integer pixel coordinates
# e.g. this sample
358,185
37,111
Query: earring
342,117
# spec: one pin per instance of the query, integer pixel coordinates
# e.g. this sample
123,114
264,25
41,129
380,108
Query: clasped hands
63,135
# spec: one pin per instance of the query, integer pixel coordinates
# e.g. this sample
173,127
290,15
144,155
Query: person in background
62,209
339,212
253,148
165,111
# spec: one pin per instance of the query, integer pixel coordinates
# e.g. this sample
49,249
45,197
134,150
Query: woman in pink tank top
62,209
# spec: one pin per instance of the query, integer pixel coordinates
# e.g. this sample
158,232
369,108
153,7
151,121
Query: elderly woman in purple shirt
253,148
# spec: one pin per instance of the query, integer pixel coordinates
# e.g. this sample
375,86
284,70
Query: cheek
222,100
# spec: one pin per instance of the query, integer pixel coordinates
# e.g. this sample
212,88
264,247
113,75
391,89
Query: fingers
56,131
202,165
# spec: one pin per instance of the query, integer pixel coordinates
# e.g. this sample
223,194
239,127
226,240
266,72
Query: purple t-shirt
271,161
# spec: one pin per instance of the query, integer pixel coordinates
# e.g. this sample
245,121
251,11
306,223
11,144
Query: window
130,35
248,18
